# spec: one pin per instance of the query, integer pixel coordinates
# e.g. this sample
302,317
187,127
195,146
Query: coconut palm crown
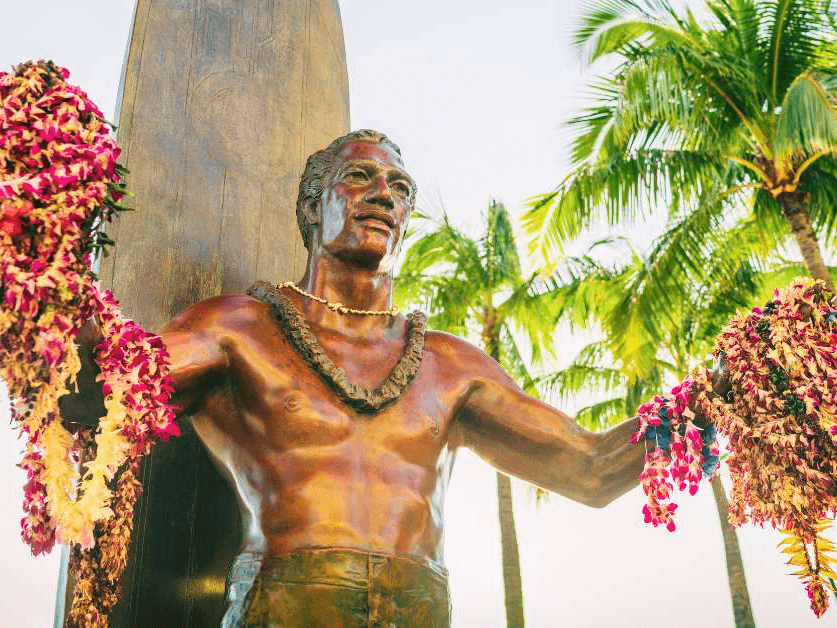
732,117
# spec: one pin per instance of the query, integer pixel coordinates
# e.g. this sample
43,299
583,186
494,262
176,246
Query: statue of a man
336,420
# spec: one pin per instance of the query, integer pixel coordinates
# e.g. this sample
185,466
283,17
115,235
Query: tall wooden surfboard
221,101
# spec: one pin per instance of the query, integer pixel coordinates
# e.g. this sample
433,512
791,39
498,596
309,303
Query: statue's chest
295,406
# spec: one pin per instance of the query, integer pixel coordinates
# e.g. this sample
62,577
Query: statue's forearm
539,444
617,462
590,468
605,465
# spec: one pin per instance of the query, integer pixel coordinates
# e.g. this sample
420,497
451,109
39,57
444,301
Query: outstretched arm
537,443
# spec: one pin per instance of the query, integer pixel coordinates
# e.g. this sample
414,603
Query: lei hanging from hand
59,183
780,419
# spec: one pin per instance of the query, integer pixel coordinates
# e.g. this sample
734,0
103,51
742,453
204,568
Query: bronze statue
336,419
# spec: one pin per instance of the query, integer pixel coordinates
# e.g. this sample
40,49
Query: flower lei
667,420
780,420
59,182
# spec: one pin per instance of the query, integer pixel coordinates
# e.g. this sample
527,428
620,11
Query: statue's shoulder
452,348
230,310
463,361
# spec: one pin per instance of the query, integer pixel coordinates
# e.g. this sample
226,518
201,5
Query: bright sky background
474,93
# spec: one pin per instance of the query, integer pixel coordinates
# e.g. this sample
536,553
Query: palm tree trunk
512,586
511,557
741,610
795,208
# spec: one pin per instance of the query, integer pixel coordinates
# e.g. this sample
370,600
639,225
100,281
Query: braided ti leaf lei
59,182
780,420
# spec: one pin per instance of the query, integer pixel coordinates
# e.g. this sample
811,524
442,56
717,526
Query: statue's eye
401,188
356,175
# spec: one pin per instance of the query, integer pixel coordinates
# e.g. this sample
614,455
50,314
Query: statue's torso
311,472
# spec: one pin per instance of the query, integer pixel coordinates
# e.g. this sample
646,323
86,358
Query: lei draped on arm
780,422
59,184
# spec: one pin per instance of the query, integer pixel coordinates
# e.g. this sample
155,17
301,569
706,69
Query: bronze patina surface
311,471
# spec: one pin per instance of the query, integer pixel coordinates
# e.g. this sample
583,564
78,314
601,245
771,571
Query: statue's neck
357,287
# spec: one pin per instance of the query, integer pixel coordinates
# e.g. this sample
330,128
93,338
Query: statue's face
365,206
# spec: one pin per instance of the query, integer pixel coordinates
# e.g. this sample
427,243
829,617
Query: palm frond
514,362
661,106
794,32
583,299
446,299
578,378
653,290
590,127
618,191
741,20
807,123
603,414
446,247
609,26
531,305
500,258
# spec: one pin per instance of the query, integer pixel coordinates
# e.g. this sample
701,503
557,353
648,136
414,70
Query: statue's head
320,169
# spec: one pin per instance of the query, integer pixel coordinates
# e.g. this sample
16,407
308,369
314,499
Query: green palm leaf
807,124
603,414
796,31
618,191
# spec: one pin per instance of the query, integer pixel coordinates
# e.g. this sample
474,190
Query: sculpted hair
318,168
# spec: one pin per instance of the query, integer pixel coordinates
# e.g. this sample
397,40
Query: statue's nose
380,193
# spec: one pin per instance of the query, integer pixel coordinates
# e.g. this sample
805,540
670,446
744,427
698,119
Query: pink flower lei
682,454
780,419
59,183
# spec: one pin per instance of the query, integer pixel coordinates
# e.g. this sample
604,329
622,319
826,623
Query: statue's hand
85,407
721,386
720,378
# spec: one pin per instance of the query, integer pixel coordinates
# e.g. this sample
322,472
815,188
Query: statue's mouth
373,217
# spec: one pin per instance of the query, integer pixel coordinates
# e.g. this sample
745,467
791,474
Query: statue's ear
311,210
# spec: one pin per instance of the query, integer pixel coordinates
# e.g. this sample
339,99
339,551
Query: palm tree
477,288
605,366
717,120
731,126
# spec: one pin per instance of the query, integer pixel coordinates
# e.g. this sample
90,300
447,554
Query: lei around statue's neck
363,400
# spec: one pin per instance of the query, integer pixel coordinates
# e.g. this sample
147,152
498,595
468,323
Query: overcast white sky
487,84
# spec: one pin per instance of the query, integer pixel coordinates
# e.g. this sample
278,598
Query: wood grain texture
221,103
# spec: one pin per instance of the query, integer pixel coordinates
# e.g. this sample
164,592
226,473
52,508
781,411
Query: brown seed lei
303,340
99,570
